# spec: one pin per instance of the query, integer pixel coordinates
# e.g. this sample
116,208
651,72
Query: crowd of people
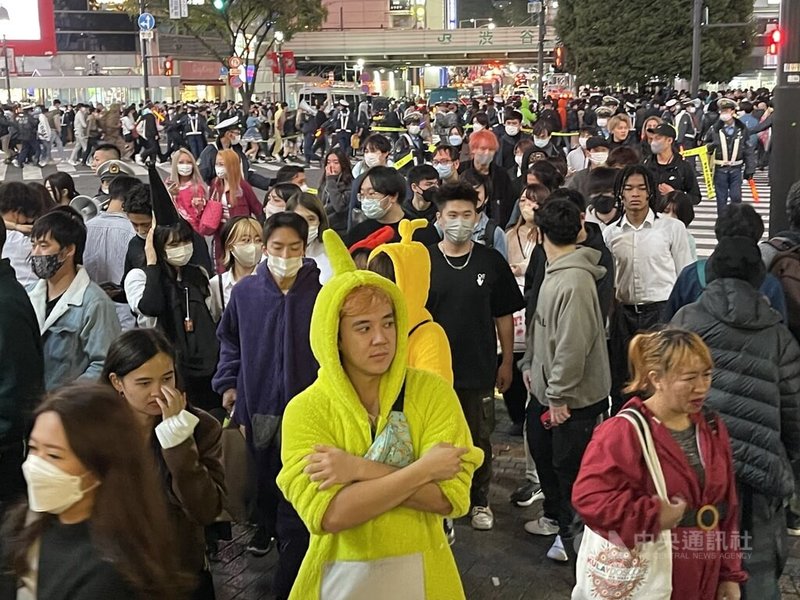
324,363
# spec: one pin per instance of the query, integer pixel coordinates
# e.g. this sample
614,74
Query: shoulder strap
417,326
221,291
401,397
701,272
488,233
642,428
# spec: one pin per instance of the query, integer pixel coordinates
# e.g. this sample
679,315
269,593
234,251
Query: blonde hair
652,118
233,173
175,181
362,298
617,119
239,226
663,352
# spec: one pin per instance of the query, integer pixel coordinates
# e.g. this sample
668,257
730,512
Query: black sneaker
792,523
527,494
261,543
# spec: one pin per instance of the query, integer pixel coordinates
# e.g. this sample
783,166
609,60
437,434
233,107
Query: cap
596,141
164,210
671,103
343,102
498,99
610,101
630,105
664,129
604,111
412,115
231,123
112,168
723,103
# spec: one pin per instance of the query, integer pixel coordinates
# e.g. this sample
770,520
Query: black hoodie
534,275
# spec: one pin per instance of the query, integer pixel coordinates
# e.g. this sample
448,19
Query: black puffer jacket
756,382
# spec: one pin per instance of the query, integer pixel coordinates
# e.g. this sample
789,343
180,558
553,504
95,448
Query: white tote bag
610,570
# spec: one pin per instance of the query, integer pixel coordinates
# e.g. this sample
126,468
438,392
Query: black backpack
487,239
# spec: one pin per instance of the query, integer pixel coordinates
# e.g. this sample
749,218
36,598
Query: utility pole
540,51
697,29
784,168
143,46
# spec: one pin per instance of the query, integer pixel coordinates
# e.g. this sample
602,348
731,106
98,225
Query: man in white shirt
20,206
649,253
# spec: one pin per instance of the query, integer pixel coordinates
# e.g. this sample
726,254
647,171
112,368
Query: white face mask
726,117
372,159
582,142
235,140
455,140
185,170
272,209
512,130
304,188
444,171
541,142
313,232
247,255
180,255
50,489
413,129
477,127
458,231
284,268
598,158
518,159
219,170
602,122
373,209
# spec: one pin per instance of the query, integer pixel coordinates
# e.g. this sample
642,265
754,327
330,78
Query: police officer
411,142
728,141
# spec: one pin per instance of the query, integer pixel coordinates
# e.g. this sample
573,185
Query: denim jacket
78,332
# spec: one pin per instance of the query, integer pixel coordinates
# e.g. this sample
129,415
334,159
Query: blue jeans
727,184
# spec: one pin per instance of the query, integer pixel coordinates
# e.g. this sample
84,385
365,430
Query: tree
246,27
628,42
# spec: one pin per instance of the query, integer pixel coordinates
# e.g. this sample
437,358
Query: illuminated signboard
400,5
30,29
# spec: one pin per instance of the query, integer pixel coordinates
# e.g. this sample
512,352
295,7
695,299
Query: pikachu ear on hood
338,255
407,229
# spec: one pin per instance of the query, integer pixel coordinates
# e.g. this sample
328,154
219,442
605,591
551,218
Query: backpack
786,267
487,239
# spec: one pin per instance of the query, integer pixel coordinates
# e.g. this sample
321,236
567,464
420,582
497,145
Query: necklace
452,266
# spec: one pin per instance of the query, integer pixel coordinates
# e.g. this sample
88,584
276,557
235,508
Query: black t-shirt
465,303
429,214
49,305
363,230
70,567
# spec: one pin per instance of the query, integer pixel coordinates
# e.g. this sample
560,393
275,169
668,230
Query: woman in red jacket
230,196
615,493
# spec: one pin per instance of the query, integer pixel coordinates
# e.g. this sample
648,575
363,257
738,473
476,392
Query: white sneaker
42,164
557,551
542,526
482,518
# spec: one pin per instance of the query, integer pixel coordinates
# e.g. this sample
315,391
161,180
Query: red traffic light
774,38
168,66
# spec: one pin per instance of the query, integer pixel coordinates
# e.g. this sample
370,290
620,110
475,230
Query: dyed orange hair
484,137
233,173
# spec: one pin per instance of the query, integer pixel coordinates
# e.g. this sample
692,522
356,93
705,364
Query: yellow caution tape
707,165
404,161
400,129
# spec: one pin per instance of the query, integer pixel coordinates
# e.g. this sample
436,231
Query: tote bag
606,569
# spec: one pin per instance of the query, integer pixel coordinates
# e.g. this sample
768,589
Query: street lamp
4,21
278,36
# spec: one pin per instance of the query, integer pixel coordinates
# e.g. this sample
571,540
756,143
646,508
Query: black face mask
429,194
603,203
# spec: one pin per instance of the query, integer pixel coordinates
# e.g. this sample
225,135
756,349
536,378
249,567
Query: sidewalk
505,563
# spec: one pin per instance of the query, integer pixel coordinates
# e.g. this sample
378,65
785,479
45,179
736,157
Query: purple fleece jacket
265,352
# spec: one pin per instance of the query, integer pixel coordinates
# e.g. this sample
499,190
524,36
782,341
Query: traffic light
774,41
558,59
219,4
168,66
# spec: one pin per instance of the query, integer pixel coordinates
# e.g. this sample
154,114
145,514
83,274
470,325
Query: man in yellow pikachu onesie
408,264
374,453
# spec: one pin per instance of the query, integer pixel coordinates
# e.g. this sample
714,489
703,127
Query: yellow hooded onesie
330,412
428,347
